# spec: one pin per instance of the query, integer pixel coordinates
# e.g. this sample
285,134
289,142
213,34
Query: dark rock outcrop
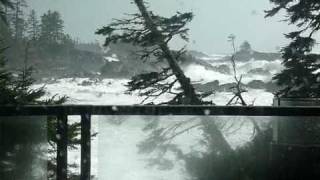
259,71
207,87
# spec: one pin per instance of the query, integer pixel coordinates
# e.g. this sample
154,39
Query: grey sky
214,20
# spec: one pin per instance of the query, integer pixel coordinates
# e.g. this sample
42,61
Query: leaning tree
153,33
300,78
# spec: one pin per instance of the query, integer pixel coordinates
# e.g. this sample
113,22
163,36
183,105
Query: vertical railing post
85,147
62,147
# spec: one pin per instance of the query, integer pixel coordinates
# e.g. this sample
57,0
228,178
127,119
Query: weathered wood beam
160,110
62,147
85,147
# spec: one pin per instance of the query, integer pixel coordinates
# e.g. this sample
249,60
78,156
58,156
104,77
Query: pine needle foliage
301,76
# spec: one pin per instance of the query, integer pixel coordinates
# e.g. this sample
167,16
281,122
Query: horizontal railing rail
86,111
160,110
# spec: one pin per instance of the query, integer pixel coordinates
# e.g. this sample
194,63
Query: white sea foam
114,150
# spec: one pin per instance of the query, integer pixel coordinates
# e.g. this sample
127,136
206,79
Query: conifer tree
33,27
153,33
16,89
300,78
51,28
17,20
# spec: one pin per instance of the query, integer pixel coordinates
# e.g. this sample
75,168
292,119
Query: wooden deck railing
62,112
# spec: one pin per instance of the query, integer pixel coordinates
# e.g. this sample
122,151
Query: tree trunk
189,91
191,97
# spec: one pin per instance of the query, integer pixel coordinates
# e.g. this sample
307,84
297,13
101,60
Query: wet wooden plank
160,110
85,147
62,147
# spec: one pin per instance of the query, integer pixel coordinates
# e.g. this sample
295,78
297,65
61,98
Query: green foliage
16,19
51,28
133,30
53,42
32,42
16,90
152,33
45,39
300,78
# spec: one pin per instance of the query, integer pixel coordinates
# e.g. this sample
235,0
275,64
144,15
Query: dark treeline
40,41
23,141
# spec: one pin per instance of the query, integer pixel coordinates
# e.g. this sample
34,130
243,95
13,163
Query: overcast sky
214,20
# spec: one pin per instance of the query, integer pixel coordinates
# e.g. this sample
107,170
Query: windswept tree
301,76
153,33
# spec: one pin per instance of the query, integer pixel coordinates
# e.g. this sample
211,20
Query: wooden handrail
86,111
160,110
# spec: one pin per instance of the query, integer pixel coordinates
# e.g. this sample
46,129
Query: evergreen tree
51,28
17,90
17,20
153,33
33,27
300,78
53,43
